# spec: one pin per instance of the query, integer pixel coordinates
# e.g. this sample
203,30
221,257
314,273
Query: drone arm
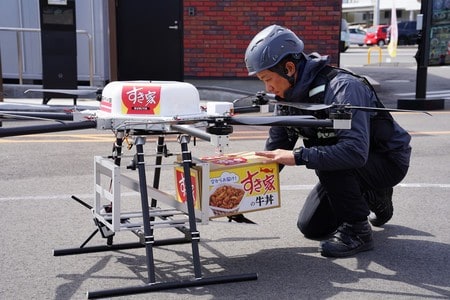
57,127
192,131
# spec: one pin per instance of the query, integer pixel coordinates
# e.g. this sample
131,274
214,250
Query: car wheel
381,43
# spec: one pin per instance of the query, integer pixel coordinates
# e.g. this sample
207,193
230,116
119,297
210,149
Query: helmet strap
281,70
291,79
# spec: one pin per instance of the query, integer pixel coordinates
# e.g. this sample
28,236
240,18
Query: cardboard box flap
232,159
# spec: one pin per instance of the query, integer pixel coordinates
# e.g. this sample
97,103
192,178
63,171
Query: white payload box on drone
147,105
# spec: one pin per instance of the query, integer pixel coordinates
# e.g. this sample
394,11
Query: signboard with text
440,34
238,183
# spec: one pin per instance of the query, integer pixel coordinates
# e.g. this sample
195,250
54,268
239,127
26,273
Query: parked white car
344,42
357,36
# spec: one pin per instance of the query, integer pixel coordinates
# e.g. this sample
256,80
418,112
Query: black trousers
338,197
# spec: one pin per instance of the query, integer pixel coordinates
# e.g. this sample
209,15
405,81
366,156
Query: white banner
393,32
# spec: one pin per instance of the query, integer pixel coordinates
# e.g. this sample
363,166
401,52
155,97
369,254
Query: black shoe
348,240
380,203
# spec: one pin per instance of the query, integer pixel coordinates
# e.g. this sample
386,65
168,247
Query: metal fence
19,32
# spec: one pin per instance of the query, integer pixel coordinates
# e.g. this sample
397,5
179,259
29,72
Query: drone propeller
304,106
374,109
298,121
46,128
70,92
39,116
264,98
317,107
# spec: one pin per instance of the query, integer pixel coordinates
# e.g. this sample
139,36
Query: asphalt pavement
40,173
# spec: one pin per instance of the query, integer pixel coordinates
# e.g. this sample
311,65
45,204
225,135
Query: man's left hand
284,157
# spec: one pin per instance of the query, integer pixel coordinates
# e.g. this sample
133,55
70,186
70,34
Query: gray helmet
269,47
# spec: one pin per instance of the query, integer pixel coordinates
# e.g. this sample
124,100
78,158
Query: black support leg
148,230
195,235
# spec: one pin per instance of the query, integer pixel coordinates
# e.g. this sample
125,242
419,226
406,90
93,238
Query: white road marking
403,185
296,187
431,94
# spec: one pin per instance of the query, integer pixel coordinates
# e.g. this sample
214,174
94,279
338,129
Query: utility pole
376,13
423,53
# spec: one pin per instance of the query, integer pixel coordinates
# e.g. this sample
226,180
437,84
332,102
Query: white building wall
20,14
358,11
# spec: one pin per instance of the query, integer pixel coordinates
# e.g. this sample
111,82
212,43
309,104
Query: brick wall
217,33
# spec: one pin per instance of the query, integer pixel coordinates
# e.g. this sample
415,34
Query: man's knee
316,219
306,230
313,232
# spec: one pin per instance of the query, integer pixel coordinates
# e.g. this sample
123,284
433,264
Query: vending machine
59,47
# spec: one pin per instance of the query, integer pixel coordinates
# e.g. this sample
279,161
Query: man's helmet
269,47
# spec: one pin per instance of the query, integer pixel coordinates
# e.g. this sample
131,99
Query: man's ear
289,68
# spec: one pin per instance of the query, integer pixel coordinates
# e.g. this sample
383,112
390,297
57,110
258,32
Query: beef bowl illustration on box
225,199
245,185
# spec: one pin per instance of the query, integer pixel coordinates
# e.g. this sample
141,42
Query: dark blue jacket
349,148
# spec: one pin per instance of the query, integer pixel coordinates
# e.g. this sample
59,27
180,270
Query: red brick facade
217,32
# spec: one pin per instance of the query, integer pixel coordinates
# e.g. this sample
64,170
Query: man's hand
284,157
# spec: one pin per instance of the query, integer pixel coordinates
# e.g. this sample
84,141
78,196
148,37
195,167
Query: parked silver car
344,43
357,36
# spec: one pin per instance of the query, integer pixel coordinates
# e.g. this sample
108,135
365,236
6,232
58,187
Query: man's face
273,82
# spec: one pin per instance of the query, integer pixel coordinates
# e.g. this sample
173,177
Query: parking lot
40,173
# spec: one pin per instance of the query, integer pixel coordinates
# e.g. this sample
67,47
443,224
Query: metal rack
183,217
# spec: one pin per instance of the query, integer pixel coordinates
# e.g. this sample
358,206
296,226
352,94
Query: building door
149,40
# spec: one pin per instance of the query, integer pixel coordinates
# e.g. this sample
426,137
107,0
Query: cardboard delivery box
181,185
238,183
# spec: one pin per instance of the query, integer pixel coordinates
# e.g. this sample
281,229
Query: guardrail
380,59
19,32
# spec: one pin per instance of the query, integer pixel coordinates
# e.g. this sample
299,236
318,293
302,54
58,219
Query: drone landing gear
147,239
107,234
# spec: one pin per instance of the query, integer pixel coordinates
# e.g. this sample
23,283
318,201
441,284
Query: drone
137,109
191,112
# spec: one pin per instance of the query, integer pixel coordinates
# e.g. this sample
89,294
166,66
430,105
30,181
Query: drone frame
217,126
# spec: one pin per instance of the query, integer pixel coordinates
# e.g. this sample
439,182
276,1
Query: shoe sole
378,223
365,247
